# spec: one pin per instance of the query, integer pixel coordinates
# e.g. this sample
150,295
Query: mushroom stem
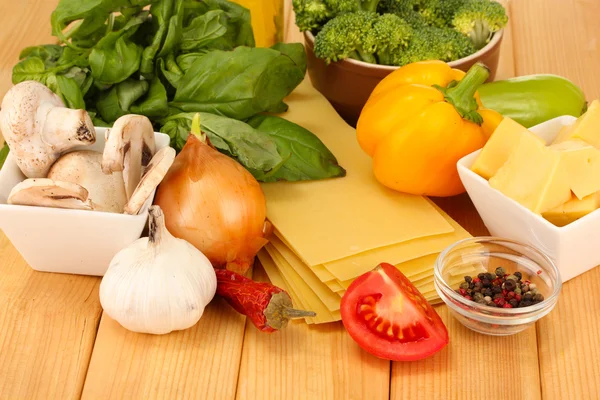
64,128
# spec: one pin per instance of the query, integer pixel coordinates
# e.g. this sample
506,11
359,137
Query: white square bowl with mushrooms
73,195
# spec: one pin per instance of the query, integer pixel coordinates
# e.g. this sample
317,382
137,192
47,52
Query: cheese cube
499,147
534,176
586,128
573,210
582,162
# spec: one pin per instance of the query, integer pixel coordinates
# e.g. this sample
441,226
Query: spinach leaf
115,58
307,158
238,84
255,150
154,104
3,154
204,29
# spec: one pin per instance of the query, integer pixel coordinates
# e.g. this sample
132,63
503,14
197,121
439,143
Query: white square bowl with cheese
574,248
68,241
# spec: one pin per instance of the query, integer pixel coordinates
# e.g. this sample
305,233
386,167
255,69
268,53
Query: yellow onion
214,203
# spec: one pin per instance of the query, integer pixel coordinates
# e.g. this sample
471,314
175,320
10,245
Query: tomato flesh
388,317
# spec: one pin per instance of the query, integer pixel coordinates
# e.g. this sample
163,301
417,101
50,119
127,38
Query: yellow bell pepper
419,121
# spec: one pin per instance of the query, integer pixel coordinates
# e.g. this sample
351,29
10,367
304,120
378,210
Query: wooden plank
567,338
309,362
201,362
48,321
48,324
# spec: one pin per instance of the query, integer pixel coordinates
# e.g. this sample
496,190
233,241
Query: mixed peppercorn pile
500,290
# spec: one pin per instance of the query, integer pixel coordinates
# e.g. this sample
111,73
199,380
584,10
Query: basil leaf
154,104
3,154
185,61
115,58
70,92
307,158
255,150
203,30
116,102
161,13
295,51
238,84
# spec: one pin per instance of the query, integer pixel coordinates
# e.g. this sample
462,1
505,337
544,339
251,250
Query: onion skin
214,203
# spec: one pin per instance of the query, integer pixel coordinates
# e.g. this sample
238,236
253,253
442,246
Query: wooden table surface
55,342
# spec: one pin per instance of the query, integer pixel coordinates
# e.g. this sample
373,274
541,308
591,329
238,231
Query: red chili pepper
268,307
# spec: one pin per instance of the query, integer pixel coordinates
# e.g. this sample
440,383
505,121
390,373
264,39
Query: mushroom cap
84,167
129,146
153,176
38,127
45,192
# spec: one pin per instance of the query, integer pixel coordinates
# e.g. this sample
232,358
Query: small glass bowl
484,254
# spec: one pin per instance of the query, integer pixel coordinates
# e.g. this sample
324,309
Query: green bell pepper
533,99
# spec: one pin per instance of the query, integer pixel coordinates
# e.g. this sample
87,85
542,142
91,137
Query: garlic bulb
158,284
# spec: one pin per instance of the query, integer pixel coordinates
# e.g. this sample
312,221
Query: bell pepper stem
461,96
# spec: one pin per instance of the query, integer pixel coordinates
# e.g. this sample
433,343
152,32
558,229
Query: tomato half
388,317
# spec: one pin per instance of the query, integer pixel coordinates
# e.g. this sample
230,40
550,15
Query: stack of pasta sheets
329,232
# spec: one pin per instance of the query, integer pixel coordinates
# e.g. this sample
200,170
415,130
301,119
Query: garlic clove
45,192
130,145
153,175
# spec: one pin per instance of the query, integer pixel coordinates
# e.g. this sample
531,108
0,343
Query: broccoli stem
480,35
462,95
368,5
362,56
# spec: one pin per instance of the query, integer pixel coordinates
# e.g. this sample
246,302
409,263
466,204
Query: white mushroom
129,146
38,127
45,192
85,168
153,175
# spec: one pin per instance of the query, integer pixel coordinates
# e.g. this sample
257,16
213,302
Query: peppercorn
512,278
468,279
500,271
475,280
486,283
525,303
481,276
538,298
498,296
488,299
525,288
518,275
533,292
507,305
496,289
532,286
491,304
468,297
488,292
509,285
517,290
464,285
527,296
489,276
478,296
513,302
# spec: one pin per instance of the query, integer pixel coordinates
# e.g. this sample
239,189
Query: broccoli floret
479,19
363,36
433,43
313,14
392,35
348,36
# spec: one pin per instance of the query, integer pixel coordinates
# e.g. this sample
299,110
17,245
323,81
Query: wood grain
569,349
48,324
198,363
301,362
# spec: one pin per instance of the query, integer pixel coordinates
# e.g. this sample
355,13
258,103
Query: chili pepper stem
292,313
462,95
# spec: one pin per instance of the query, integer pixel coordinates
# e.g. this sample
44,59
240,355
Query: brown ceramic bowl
347,84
